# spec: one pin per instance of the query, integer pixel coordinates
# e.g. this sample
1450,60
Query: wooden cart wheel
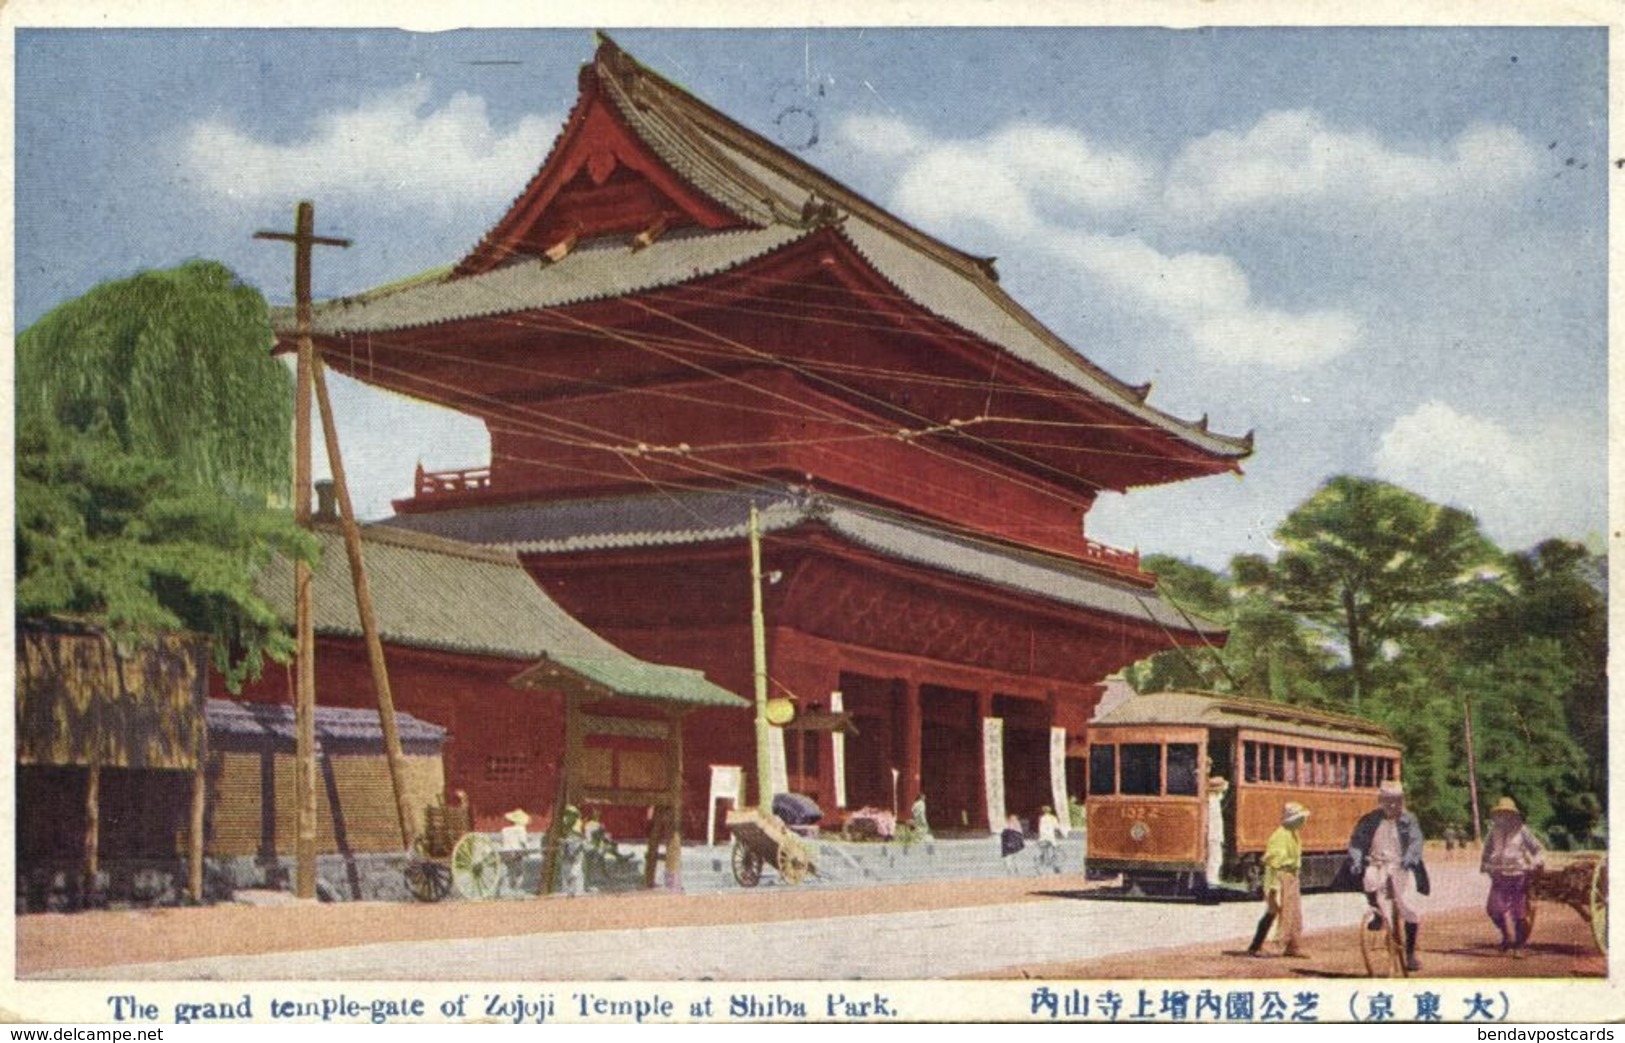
428,881
747,865
792,865
475,866
1599,905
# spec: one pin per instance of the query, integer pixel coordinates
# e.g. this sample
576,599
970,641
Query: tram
1152,796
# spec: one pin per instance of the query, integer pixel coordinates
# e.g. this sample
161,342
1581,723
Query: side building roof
443,595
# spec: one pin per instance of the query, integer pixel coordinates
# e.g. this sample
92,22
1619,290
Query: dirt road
1016,927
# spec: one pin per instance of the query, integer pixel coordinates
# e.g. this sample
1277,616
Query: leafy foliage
1269,654
171,364
1368,560
141,492
1385,604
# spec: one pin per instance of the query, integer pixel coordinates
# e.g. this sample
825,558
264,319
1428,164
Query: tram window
1343,771
1142,769
1362,772
1182,769
1102,771
1250,761
1278,757
1291,773
1320,768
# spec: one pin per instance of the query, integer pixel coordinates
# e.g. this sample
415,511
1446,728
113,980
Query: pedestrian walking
1283,901
1011,843
1511,856
1049,839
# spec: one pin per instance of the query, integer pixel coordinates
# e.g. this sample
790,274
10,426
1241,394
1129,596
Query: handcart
1582,885
764,839
450,855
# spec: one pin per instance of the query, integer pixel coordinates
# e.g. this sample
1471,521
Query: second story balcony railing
435,483
1113,558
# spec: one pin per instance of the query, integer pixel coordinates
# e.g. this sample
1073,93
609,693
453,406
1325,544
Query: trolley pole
758,633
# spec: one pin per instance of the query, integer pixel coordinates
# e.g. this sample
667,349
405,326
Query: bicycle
1383,946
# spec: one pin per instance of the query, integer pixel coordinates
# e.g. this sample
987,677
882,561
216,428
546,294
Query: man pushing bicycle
1384,850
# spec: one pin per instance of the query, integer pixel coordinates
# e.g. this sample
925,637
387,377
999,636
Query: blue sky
1383,249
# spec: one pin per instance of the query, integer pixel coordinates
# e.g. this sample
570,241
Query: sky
1381,249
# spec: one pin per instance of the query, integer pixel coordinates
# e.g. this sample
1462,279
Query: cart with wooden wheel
449,856
762,839
1582,885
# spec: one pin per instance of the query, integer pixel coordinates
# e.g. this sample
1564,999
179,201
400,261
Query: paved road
934,943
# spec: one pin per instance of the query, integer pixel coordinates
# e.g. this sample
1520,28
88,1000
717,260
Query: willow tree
152,431
172,364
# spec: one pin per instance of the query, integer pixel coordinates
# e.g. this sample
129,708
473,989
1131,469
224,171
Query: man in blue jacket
1384,850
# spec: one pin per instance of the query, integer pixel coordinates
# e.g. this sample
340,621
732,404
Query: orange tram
1157,815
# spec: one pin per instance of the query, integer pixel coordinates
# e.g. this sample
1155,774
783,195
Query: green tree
142,492
1521,734
1369,562
1267,654
1556,591
171,364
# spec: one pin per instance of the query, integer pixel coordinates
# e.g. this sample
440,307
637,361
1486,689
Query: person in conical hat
1283,861
1385,851
1511,856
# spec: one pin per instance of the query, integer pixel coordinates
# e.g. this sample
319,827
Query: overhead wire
645,343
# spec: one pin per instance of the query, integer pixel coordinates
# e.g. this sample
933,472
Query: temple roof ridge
744,164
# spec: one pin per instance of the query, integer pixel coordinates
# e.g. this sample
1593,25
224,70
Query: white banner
1057,775
993,771
837,743
775,759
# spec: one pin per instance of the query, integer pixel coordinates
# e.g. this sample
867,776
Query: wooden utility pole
758,631
1472,766
363,607
303,238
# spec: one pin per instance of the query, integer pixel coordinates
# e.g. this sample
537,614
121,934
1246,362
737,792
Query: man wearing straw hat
1511,854
1384,850
1283,860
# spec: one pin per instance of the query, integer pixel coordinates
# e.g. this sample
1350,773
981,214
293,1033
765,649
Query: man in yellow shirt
1283,860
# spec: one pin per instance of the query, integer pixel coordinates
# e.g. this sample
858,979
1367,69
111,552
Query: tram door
1221,755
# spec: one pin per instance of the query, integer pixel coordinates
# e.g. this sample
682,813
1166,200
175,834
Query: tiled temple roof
679,518
440,594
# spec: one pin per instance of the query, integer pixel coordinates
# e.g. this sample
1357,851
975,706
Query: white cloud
1007,178
391,148
1049,187
1209,299
889,137
1294,157
1523,485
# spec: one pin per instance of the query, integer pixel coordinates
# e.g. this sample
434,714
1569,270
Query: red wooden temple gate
677,318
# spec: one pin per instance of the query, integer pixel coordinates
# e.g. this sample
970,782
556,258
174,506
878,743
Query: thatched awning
82,699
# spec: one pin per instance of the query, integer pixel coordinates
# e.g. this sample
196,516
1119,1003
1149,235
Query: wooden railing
435,483
1113,558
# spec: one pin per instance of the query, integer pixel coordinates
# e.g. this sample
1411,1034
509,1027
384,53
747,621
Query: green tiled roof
440,594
